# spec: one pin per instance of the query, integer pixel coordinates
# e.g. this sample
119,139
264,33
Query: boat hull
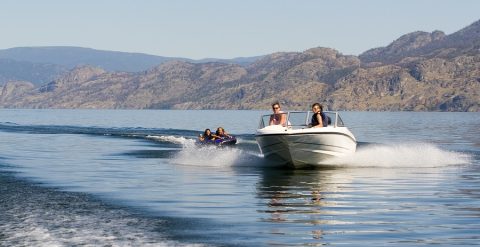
305,147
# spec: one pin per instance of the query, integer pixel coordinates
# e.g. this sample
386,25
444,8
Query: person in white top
278,117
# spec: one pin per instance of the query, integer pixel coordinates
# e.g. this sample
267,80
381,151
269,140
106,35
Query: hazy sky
226,29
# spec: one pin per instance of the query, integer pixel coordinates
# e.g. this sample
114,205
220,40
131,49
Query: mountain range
44,64
419,71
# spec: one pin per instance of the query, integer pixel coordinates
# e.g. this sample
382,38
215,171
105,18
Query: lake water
135,178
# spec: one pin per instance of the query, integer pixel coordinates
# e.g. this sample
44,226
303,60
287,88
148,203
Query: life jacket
208,138
314,119
325,119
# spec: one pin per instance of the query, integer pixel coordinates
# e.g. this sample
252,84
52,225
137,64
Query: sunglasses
276,108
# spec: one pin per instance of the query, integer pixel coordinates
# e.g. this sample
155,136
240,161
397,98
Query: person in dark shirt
319,119
207,136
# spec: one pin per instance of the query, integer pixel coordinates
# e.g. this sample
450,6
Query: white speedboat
295,144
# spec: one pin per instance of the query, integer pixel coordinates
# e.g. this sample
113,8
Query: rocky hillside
422,45
405,46
418,72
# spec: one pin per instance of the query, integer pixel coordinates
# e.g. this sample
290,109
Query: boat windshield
298,119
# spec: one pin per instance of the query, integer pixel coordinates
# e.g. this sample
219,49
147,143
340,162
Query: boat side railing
300,119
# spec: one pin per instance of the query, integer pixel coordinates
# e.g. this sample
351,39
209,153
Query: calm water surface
135,178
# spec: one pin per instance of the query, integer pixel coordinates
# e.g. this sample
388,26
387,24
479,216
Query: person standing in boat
319,118
278,117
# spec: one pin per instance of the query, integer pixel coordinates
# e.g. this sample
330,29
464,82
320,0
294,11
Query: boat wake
213,156
407,155
171,139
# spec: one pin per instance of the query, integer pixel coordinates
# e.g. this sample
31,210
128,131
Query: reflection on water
377,205
299,202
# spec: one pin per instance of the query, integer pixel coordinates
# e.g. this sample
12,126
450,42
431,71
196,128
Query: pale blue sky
226,29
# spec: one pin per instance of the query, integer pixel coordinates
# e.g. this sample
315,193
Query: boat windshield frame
301,119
